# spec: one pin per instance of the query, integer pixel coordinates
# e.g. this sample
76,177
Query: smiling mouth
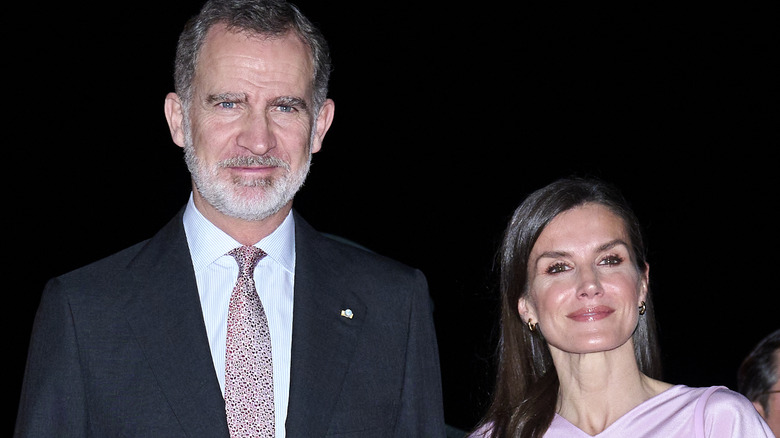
591,313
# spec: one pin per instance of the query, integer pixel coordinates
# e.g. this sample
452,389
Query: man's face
249,132
772,414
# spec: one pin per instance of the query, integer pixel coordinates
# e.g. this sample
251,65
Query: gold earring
642,308
532,326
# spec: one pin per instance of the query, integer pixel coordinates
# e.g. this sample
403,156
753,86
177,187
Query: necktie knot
247,258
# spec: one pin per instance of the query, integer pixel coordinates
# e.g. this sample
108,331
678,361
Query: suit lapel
323,340
167,319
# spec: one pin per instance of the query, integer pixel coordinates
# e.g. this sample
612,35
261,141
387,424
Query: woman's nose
589,285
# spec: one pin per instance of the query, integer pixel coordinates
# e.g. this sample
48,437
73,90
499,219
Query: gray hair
272,18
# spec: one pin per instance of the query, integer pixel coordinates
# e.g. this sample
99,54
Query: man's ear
760,409
324,119
174,114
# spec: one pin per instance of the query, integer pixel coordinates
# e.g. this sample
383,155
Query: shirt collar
208,243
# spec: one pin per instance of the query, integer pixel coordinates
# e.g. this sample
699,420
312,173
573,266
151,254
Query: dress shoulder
726,413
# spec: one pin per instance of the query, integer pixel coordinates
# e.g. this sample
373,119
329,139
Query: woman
578,354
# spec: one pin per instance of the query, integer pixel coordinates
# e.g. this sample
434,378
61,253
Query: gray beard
250,199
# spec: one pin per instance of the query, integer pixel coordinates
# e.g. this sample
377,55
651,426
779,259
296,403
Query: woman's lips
591,313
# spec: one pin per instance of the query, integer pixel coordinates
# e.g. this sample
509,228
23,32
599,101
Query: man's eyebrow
225,97
289,101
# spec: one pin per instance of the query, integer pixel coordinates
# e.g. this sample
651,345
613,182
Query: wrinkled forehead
221,40
221,31
228,53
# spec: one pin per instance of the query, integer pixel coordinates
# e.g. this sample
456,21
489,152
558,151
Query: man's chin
254,206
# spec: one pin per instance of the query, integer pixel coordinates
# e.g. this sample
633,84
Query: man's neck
244,231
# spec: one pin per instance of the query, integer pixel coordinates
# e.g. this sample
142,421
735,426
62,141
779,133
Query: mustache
254,160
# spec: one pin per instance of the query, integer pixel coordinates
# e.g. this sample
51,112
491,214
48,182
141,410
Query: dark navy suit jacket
119,348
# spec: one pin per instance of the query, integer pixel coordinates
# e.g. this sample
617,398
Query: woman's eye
557,267
612,260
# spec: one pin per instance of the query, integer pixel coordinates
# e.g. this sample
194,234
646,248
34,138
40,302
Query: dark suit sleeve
52,401
421,413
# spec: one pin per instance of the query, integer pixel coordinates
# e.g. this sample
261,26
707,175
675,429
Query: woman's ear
645,283
525,310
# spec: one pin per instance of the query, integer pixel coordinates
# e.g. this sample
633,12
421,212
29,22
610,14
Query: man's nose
256,134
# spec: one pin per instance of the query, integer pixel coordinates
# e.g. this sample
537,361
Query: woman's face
585,290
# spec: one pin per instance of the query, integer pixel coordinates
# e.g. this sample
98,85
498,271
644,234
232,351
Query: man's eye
227,105
557,267
286,108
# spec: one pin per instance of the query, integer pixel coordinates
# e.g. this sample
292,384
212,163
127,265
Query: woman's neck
598,388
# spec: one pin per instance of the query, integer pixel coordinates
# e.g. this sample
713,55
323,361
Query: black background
446,118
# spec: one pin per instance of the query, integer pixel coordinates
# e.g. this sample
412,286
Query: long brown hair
526,389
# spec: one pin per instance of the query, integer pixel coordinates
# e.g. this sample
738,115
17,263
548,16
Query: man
758,379
147,342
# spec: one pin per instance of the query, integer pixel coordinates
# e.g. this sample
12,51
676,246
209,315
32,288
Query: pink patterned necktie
249,385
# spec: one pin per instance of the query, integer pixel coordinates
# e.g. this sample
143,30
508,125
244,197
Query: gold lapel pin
347,313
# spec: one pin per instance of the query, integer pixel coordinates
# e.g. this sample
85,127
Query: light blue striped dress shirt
216,274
